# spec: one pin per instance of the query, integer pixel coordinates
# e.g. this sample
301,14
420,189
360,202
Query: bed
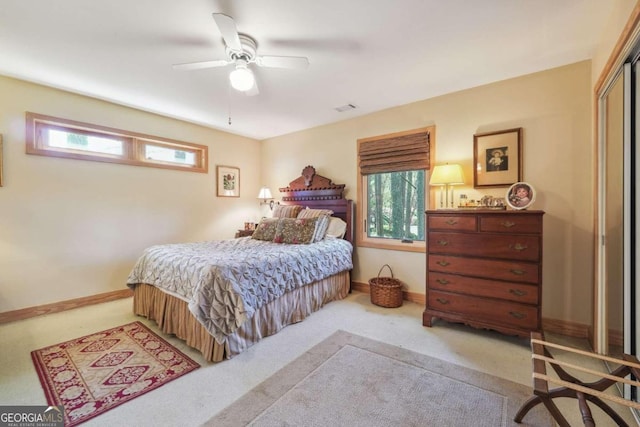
221,297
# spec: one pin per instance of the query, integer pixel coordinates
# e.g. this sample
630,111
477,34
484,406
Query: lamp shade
242,78
447,175
265,193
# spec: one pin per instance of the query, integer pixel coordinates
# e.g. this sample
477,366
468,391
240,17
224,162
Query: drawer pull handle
442,301
451,222
443,263
443,281
518,247
516,315
517,272
507,224
517,292
443,242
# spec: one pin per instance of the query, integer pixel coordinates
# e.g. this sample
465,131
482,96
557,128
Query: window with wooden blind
51,136
392,189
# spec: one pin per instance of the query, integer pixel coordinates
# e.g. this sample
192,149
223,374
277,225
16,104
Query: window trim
362,240
133,144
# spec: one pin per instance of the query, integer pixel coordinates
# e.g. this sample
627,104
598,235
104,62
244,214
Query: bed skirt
173,316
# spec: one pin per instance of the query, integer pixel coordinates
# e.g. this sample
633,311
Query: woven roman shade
395,153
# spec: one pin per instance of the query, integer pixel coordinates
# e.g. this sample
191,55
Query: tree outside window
395,205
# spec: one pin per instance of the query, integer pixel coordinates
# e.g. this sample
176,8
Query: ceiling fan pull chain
229,101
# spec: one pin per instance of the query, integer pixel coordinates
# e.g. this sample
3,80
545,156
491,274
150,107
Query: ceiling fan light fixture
241,50
242,78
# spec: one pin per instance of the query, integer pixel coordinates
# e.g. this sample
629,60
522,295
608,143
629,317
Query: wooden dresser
484,268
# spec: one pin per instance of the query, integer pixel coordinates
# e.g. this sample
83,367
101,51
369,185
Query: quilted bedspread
226,281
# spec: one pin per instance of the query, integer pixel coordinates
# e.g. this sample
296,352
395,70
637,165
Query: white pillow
337,228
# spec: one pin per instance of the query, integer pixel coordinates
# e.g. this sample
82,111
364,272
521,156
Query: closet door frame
622,53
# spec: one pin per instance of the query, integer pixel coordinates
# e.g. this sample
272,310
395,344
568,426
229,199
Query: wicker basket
386,291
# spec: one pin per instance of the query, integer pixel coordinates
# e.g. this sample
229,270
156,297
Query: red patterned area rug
95,373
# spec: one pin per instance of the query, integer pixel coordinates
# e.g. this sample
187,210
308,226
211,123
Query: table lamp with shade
446,176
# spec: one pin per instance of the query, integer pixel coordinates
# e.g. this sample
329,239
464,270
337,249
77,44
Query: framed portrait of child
497,158
520,195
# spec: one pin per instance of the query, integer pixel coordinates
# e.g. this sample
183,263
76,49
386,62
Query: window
162,153
392,189
50,136
395,205
80,141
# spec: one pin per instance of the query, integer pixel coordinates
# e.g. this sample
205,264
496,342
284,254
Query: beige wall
615,23
70,228
554,109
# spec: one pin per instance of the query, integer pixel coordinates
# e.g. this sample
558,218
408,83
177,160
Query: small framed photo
520,195
497,158
228,181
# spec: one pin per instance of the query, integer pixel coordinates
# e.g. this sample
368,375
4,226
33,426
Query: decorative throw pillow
337,228
286,211
295,230
313,213
321,228
266,229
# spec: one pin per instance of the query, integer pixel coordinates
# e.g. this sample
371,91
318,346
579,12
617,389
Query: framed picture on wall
497,158
228,181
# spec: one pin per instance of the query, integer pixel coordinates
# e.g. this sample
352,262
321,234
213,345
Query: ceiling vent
344,108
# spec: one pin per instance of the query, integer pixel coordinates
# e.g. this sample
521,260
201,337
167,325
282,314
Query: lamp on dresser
446,176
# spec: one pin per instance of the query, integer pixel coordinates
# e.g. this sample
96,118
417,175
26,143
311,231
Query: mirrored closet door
611,158
617,325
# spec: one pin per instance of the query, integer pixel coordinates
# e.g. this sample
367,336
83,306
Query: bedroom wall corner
72,229
615,23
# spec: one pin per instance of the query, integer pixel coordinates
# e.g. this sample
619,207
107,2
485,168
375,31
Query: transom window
78,141
50,136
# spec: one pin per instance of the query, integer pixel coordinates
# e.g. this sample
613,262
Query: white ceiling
374,54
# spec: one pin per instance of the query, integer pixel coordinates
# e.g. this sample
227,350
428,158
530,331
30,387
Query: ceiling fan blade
227,27
294,62
200,65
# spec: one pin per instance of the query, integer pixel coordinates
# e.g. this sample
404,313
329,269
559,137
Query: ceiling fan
241,51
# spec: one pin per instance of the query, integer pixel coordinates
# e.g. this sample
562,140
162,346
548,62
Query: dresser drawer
491,269
511,223
489,310
517,292
452,223
518,247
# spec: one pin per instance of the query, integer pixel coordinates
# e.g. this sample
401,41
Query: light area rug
97,372
349,380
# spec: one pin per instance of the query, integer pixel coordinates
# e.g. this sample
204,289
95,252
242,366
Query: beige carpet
349,380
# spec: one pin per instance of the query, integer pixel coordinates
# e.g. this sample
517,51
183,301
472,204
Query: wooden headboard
317,192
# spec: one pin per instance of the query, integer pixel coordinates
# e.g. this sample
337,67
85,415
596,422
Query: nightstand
244,233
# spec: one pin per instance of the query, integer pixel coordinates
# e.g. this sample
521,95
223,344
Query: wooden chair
571,386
